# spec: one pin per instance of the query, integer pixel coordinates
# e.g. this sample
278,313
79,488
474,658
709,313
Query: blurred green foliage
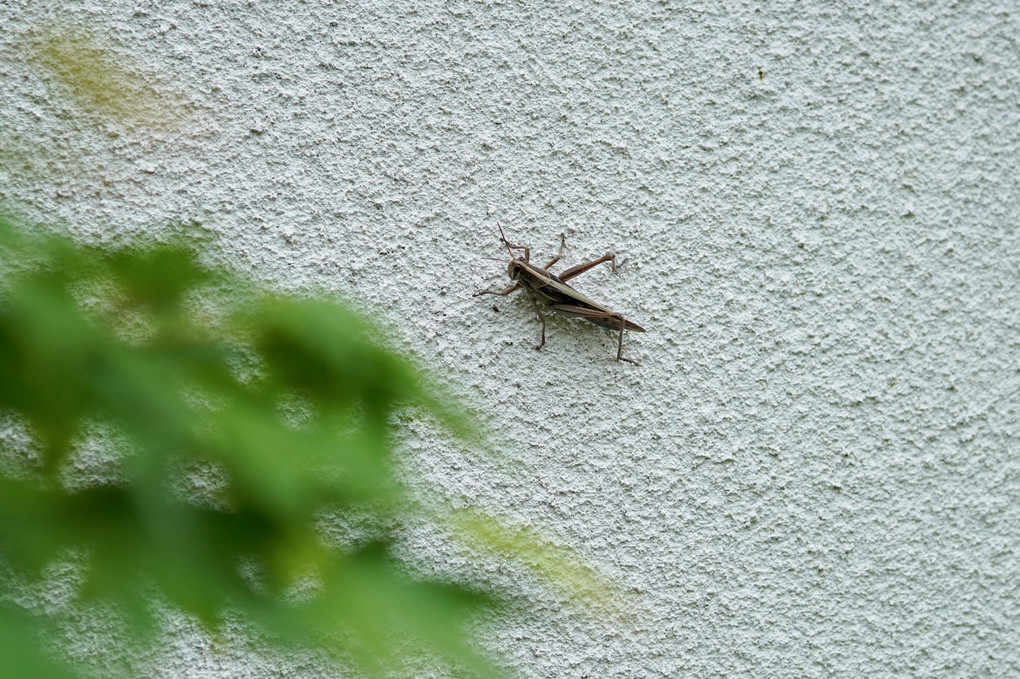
100,78
291,402
182,435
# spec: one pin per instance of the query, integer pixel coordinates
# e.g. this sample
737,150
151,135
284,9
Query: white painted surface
814,472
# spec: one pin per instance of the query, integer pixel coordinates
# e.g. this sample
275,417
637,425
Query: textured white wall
814,471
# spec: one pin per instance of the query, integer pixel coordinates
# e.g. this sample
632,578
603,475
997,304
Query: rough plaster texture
813,472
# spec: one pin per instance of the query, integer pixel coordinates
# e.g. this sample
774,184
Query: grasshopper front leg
506,292
502,236
500,294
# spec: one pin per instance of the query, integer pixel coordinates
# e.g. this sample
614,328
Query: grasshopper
557,295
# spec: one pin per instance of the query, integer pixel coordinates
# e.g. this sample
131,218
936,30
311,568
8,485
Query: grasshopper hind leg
563,242
619,346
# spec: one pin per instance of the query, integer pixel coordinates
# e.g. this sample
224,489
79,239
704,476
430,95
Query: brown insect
554,292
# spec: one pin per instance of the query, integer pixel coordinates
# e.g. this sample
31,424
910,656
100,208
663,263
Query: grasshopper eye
514,270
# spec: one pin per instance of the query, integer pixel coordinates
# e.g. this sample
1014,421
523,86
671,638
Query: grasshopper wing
598,316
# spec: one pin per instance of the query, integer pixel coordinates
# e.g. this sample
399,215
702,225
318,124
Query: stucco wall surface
813,471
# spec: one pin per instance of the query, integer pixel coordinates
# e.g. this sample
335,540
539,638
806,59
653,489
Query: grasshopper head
515,270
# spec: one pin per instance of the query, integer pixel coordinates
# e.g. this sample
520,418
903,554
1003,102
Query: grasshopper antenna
502,237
